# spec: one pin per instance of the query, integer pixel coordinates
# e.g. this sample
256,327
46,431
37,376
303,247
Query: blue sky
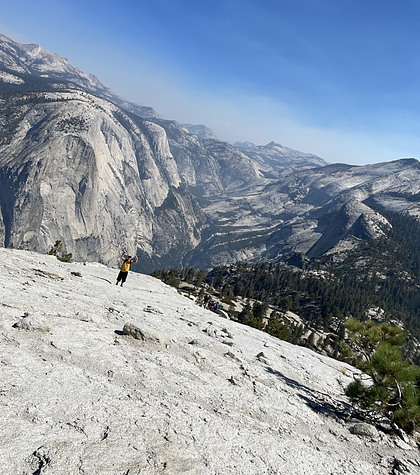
338,78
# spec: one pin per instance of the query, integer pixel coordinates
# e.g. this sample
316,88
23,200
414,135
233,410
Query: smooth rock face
84,398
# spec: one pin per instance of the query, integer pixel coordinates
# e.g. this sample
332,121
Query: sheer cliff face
76,168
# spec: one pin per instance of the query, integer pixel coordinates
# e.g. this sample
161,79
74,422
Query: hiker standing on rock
128,260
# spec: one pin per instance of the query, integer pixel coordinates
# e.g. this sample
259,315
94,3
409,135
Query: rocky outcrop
208,165
201,131
353,219
139,334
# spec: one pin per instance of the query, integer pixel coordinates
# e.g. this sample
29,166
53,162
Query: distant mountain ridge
201,131
80,164
33,60
327,210
274,158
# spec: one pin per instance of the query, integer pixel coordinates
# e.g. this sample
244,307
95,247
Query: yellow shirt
126,266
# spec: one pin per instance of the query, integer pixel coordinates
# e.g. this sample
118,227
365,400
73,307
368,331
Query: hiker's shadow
318,401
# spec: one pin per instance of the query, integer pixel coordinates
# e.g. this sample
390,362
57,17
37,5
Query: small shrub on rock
57,249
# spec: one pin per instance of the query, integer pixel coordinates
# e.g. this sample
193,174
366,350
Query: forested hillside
380,279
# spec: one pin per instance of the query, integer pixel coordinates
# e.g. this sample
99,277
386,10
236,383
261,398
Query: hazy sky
338,78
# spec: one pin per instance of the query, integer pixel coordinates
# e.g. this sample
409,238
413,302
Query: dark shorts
122,276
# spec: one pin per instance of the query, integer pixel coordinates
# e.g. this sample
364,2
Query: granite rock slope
186,391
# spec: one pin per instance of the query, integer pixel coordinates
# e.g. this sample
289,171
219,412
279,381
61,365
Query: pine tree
57,249
200,278
394,390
